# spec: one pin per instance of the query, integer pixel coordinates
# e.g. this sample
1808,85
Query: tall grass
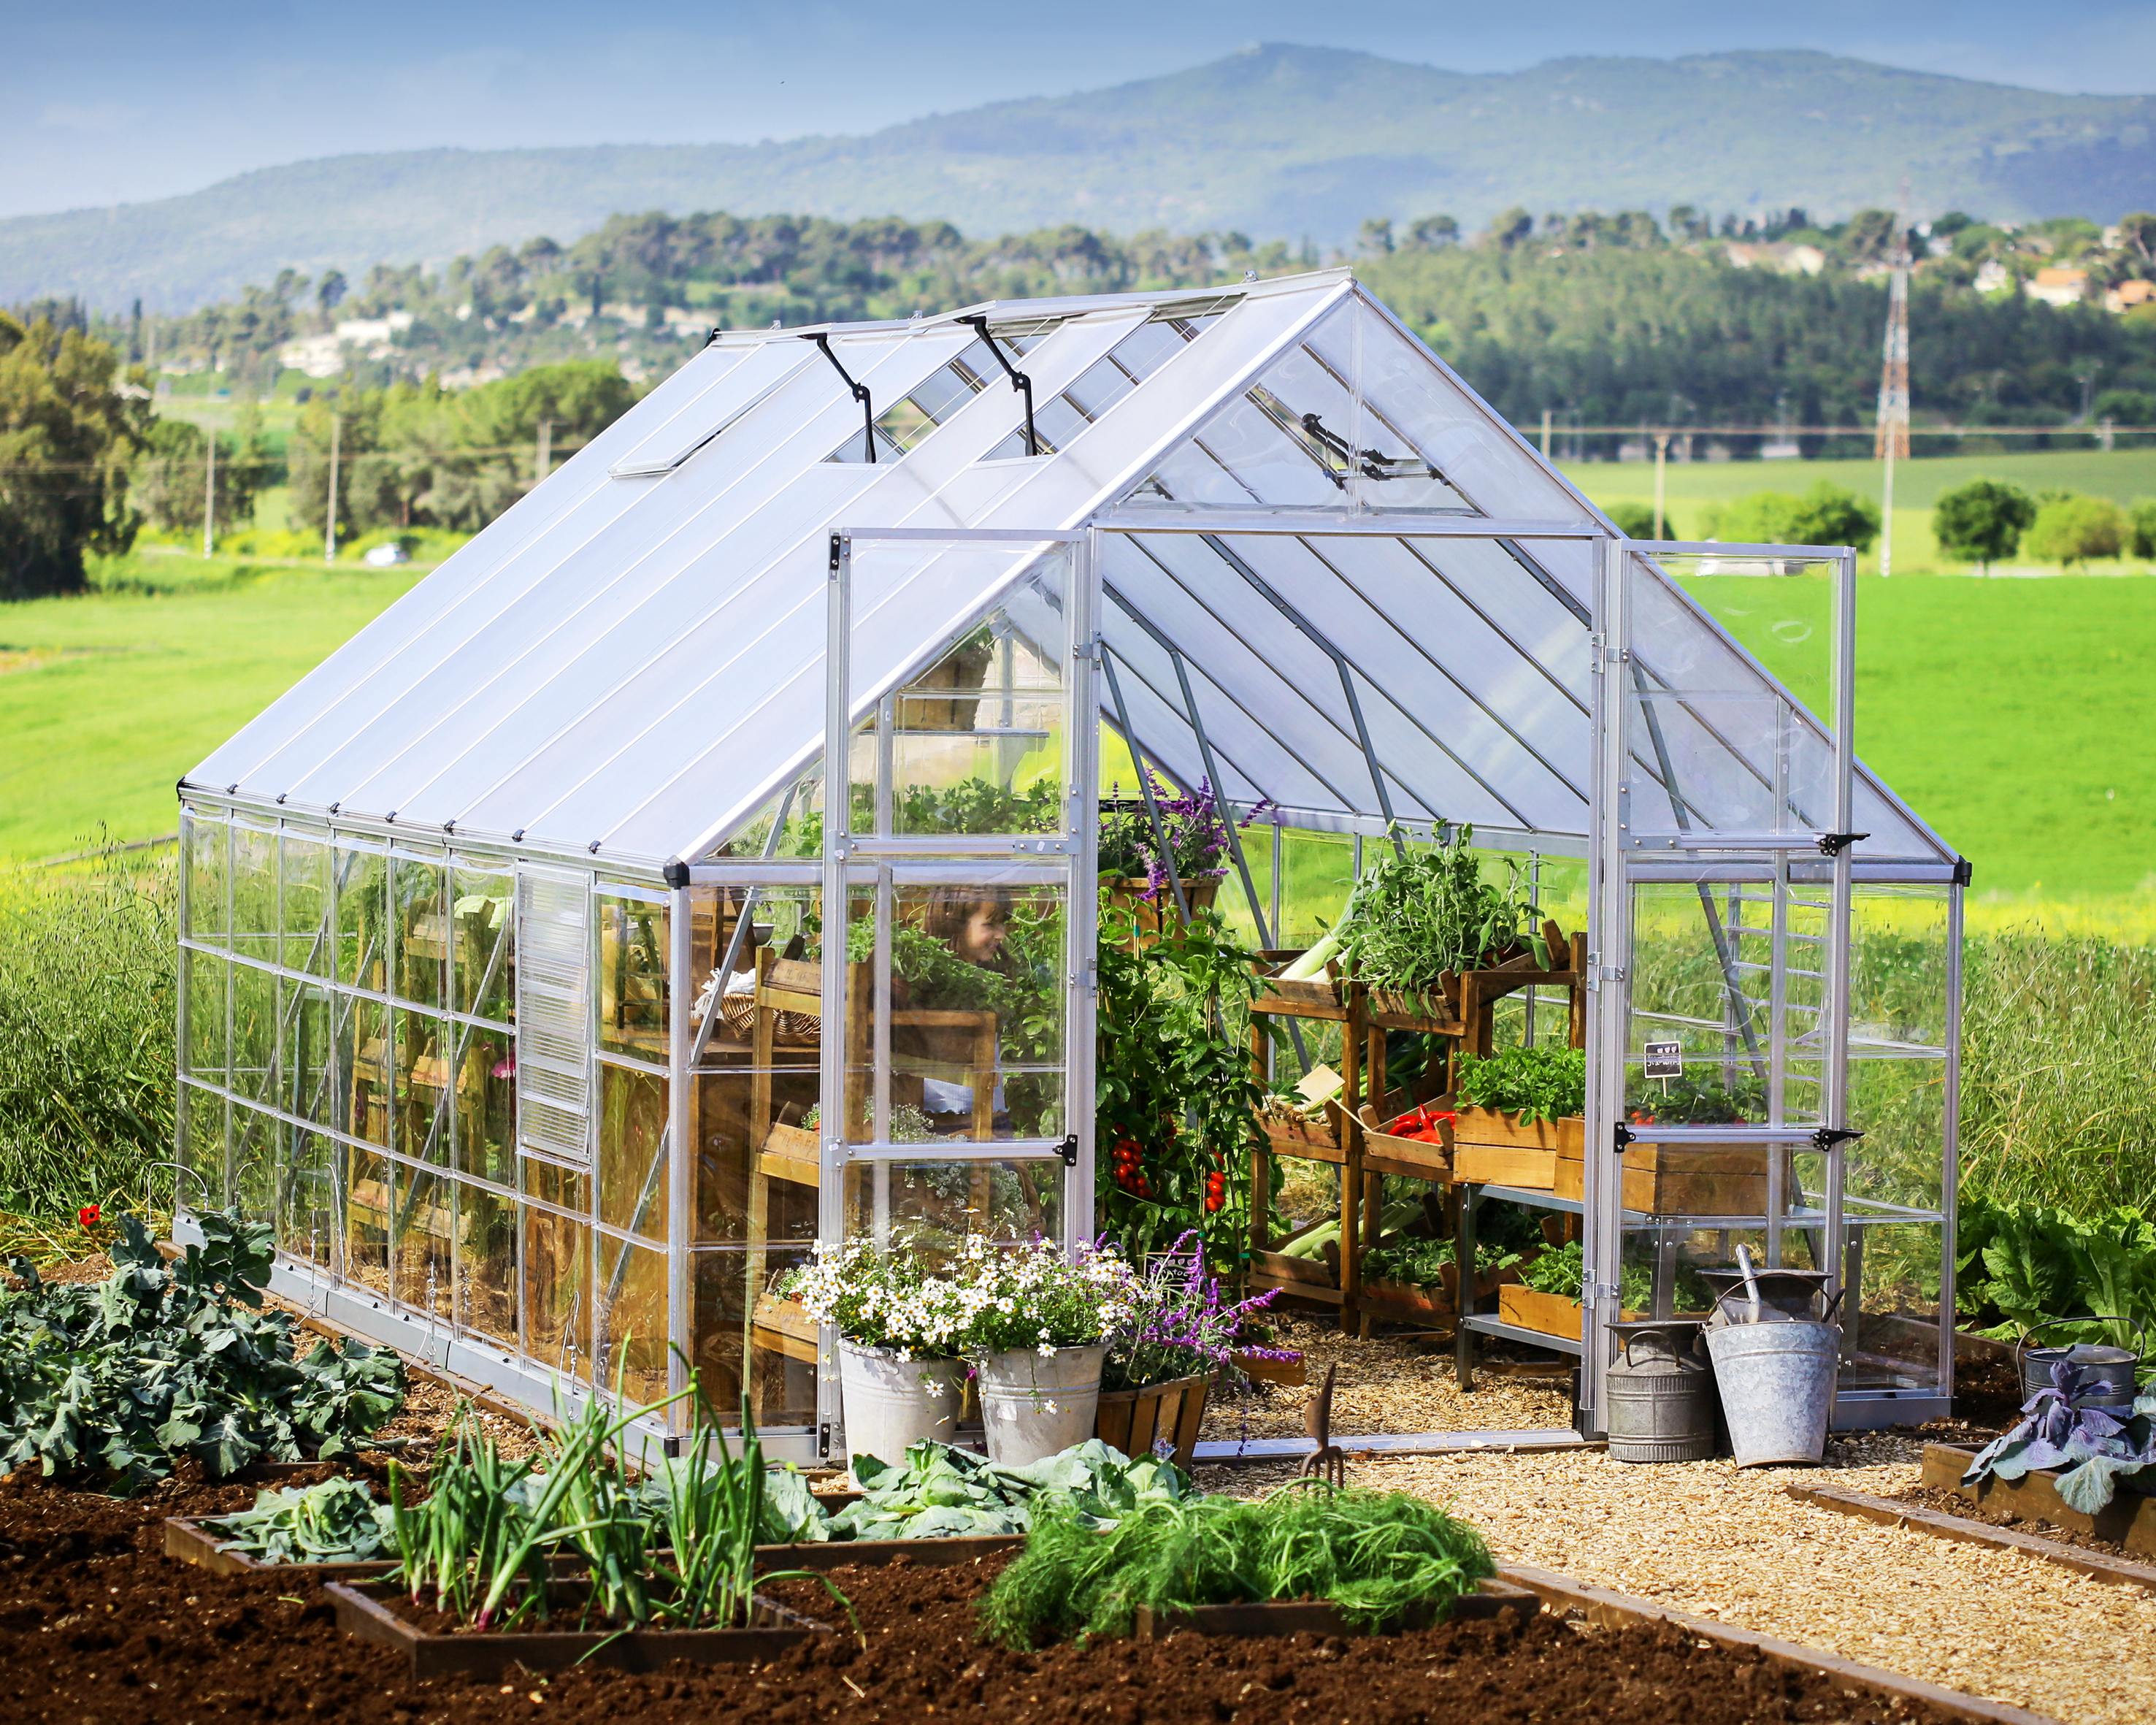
87,1017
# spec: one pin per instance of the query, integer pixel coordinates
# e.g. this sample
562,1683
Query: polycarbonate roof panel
630,661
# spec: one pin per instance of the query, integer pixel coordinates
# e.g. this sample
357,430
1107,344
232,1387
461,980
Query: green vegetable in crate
1375,1556
1535,1083
336,1522
1421,910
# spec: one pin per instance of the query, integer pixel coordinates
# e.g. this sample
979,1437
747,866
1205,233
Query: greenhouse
503,991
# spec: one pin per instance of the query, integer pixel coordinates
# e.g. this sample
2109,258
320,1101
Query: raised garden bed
433,1646
2127,1522
188,1540
1307,1617
1944,1524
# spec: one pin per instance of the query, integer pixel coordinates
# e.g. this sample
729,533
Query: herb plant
1421,1261
1535,1083
114,1383
1376,1556
1698,1099
1197,834
1421,910
1179,1326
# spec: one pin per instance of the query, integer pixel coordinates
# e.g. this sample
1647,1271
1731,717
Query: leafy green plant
1535,1083
337,1520
1697,1099
1422,1261
1421,910
2030,1265
1561,1270
1376,1556
2093,1449
938,1492
112,1382
1176,1106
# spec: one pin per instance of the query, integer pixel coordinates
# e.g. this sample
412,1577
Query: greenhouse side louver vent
553,1014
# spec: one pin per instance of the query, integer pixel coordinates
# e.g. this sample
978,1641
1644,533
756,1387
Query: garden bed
1319,1617
2127,1522
433,1645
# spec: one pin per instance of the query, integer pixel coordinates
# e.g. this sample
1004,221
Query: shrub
2143,520
1636,521
1824,515
87,1010
2071,530
1983,521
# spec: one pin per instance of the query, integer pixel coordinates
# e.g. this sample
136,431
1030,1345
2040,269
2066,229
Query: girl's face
981,935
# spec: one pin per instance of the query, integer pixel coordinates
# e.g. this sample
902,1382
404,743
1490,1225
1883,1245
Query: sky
104,101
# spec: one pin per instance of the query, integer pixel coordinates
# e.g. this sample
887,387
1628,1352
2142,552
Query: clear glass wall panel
307,1210
1898,952
631,1331
206,840
257,926
1717,748
1890,1312
420,930
632,1152
769,1339
631,936
200,1140
304,860
309,1077
365,1071
1900,1163
362,917
427,1062
486,1123
934,1205
486,1270
371,1186
757,1168
253,1034
421,1230
254,1163
558,1304
483,952
205,979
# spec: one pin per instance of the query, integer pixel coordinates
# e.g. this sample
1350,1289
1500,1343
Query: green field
106,699
2122,475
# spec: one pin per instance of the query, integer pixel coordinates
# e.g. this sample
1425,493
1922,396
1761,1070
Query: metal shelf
1485,1325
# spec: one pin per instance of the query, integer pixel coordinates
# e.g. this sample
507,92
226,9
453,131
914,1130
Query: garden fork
1327,1461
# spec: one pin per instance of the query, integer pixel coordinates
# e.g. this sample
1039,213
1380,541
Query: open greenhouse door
958,836
1718,1113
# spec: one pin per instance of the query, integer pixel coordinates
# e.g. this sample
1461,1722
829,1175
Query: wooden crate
791,1153
1409,1300
1409,1158
1133,1420
1320,997
1493,1148
1530,1309
1676,1179
1293,1135
1435,1011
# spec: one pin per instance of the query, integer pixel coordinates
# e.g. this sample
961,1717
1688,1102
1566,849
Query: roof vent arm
1019,378
859,392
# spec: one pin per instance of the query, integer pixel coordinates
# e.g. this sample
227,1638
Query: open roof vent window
1102,384
916,413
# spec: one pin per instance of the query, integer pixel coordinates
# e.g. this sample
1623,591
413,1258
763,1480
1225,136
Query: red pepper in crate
1425,1125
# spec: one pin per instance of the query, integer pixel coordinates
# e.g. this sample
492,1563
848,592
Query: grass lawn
106,699
2123,475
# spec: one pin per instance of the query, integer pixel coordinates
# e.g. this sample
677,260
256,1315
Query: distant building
2057,287
1992,277
321,356
2127,294
1779,255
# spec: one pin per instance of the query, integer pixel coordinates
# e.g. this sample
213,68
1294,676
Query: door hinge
1621,1134
1827,1137
1833,844
1598,1293
1068,1149
837,548
823,1439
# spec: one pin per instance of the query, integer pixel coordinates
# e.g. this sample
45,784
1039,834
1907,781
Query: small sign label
1665,1060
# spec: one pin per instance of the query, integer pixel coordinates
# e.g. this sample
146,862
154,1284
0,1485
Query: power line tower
1892,440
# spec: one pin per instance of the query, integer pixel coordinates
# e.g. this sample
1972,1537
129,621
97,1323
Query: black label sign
1665,1060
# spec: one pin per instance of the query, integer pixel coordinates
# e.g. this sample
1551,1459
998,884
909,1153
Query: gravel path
1727,1543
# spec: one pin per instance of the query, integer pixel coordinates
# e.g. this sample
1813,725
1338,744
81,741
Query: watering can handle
2140,1333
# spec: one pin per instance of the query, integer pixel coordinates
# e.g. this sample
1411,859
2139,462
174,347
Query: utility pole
544,464
209,495
1661,454
1892,437
1546,434
328,519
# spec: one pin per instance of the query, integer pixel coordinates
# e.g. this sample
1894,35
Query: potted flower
1037,1326
900,1328
1162,1360
1135,875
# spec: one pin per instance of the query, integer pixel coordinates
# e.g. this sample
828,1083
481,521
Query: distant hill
1276,142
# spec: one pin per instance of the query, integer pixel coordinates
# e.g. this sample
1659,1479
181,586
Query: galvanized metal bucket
1776,1381
2098,1376
1659,1402
1785,1296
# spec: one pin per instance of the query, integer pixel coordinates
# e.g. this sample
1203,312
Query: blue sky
109,100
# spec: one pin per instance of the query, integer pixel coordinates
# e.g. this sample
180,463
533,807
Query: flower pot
1126,897
1138,1422
1035,1405
892,1405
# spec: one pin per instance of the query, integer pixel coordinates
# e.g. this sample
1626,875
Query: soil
98,1628
1953,1503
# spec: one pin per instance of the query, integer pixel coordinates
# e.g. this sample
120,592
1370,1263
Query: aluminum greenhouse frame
522,890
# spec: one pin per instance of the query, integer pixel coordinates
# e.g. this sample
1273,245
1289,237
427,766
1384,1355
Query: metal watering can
2097,1375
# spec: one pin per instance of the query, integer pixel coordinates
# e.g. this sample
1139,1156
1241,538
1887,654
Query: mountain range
1275,141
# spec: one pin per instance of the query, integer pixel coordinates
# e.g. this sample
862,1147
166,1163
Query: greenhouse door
958,836
1722,930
